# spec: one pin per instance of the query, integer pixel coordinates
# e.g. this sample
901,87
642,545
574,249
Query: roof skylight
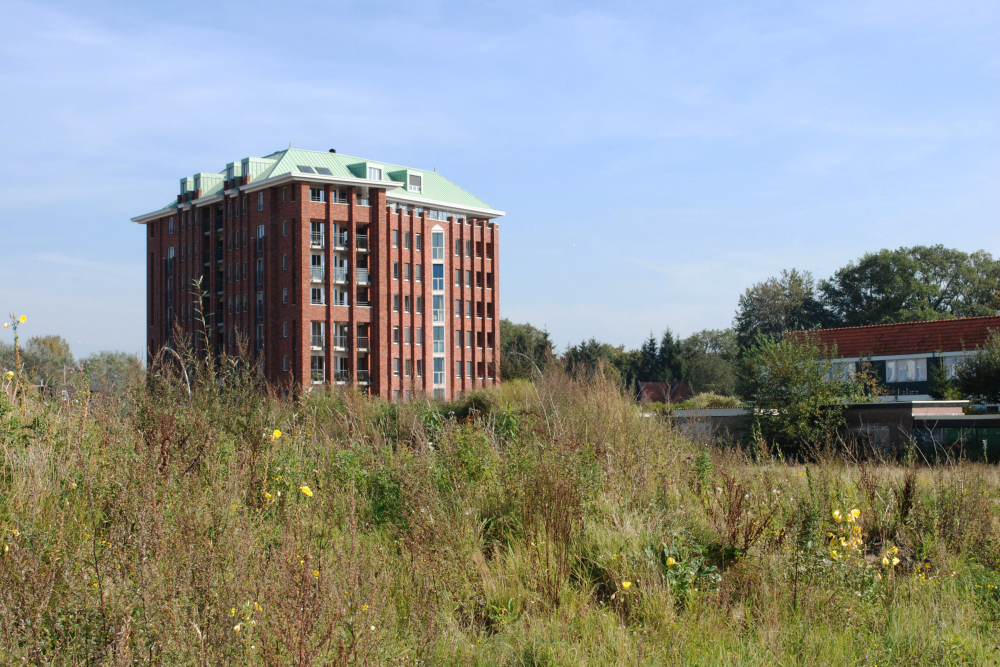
324,171
306,170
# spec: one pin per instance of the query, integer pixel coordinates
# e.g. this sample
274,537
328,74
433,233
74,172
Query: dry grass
544,523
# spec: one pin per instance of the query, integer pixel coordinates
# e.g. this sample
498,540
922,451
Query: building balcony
317,240
340,342
318,342
341,377
363,277
318,376
340,241
362,343
362,201
317,274
363,376
361,242
218,254
340,276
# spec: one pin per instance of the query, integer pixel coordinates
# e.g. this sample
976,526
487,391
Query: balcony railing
319,341
362,201
206,256
361,241
340,342
340,275
340,240
362,342
340,377
317,274
218,254
318,376
363,278
317,240
364,303
363,377
206,226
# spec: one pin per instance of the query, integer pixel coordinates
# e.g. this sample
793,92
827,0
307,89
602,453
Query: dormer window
197,183
306,170
184,187
324,171
229,173
415,183
374,174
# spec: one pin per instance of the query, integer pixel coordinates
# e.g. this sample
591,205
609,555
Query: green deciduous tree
46,357
785,303
978,373
797,399
110,369
709,361
913,284
522,347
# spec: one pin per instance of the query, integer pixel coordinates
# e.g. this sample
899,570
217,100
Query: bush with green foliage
978,373
523,349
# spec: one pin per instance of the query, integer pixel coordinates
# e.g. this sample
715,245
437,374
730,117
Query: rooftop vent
333,150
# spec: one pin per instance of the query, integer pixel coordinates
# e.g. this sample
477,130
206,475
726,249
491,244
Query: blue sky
654,159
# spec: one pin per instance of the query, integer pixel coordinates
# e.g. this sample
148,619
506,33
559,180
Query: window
489,280
468,369
414,184
260,201
284,329
375,174
406,240
317,194
489,251
260,271
420,368
230,306
437,284
489,341
468,339
284,195
479,369
395,238
170,226
305,170
458,338
458,277
395,303
244,304
318,296
419,274
284,228
418,242
438,372
395,270
479,340
407,336
420,305
468,278
395,370
420,336
906,370
406,303
406,272
284,295
468,309
229,270
950,366
244,270
408,371
395,335
458,369
229,244
284,363
458,247
458,307
438,334
438,310
489,310
437,243
468,248
260,231
284,262
229,209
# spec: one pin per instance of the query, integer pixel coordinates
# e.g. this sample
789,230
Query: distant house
903,355
664,392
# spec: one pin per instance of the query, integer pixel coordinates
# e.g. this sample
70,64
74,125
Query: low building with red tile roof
904,354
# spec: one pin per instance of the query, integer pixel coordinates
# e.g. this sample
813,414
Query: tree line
903,285
48,360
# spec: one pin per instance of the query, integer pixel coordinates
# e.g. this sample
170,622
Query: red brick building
334,270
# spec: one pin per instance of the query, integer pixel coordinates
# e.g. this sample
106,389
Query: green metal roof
435,187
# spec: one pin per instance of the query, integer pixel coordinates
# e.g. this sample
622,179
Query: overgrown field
544,523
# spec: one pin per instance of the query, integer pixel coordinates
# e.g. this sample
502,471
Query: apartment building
332,270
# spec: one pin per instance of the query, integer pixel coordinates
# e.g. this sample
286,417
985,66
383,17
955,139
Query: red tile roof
664,392
907,338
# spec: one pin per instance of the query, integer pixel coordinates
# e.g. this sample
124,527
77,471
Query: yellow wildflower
837,517
267,496
236,627
626,584
895,562
306,490
276,434
671,562
6,324
22,319
316,573
885,561
852,517
232,612
364,607
833,554
10,374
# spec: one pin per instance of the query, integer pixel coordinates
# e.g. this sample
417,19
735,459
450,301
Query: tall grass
538,523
